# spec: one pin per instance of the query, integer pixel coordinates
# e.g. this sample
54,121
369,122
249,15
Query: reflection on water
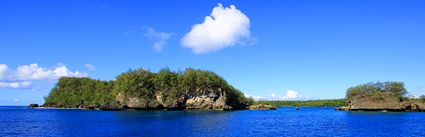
20,121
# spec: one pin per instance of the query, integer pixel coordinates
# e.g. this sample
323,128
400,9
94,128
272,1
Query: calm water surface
20,121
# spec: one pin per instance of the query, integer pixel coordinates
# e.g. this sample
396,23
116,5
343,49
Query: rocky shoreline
113,108
404,106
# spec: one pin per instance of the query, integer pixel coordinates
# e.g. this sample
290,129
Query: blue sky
313,49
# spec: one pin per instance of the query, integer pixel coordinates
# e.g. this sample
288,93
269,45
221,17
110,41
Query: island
381,96
142,89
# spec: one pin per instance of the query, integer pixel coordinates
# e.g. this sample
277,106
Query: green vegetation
75,92
308,103
377,90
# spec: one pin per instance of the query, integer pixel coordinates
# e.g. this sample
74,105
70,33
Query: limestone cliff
206,100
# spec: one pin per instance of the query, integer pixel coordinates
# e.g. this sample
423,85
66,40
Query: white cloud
35,72
291,94
3,69
22,76
159,38
15,85
90,67
225,27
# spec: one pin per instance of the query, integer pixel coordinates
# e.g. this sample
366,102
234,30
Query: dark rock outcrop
33,105
111,106
414,106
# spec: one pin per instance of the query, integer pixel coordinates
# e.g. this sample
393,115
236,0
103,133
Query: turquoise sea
21,121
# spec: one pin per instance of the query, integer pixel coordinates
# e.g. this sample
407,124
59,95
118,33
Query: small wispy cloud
16,100
159,38
15,85
90,67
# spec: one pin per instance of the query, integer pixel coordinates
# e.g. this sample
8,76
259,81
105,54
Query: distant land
307,103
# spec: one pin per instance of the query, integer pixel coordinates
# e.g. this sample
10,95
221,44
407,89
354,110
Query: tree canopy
73,92
376,90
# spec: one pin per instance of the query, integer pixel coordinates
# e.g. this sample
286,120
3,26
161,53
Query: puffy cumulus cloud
35,72
290,95
159,38
225,27
22,76
90,67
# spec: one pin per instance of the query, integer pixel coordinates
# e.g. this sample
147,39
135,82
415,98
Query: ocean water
21,121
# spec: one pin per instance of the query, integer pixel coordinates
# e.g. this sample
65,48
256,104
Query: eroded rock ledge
262,107
392,106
